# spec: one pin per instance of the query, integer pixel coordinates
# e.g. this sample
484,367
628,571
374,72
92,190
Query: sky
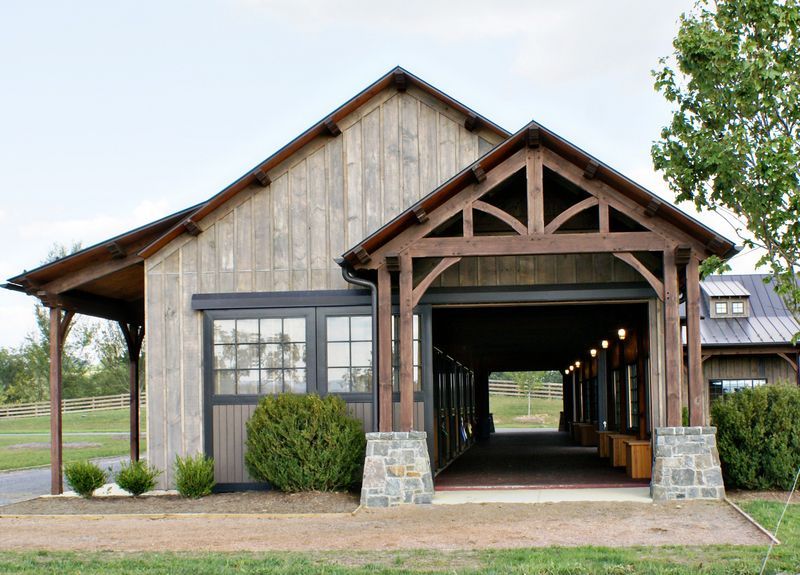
113,114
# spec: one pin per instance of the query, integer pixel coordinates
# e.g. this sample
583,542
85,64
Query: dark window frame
323,313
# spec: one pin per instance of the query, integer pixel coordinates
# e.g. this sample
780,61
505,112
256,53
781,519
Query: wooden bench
617,452
588,435
603,448
639,458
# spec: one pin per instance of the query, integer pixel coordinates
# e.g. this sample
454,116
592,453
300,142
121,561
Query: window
259,356
720,387
416,370
737,307
633,395
349,353
721,308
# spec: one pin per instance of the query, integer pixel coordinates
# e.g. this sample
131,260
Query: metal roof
730,288
769,322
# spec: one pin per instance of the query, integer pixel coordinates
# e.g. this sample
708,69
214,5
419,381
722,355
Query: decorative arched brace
569,213
789,360
422,286
501,215
654,282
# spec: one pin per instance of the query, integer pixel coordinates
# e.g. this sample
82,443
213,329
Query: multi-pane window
720,387
617,393
737,307
721,308
633,395
259,356
349,353
416,369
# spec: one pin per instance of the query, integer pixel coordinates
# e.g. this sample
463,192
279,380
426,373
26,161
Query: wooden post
602,391
134,336
59,326
405,343
625,400
534,172
697,404
673,348
385,390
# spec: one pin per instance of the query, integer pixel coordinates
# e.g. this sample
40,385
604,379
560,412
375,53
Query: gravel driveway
468,526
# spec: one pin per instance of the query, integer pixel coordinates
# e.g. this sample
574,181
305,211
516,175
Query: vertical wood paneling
373,185
409,149
172,368
336,215
216,442
156,388
244,253
262,239
207,243
191,354
354,184
507,270
225,251
392,189
318,206
428,143
298,225
467,148
280,237
448,153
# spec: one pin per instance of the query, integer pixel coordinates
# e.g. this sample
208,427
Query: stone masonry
686,464
397,470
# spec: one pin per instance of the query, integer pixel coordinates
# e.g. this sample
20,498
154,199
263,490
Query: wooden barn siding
773,368
328,196
229,421
537,270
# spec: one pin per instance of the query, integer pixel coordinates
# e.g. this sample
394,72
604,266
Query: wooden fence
540,391
77,405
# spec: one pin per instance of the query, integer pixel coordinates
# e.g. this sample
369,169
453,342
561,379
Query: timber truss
679,253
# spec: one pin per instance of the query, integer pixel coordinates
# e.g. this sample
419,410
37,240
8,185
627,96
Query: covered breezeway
603,391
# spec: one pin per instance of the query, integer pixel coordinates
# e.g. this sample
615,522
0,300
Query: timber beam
95,306
478,173
421,215
331,126
262,178
363,255
400,80
90,273
191,227
472,123
134,336
60,321
590,171
117,251
537,244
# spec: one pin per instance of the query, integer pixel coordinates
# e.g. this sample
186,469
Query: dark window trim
323,313
286,299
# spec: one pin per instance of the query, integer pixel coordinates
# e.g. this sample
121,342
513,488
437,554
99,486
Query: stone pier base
686,464
397,470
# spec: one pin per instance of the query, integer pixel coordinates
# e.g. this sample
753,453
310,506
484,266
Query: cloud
95,228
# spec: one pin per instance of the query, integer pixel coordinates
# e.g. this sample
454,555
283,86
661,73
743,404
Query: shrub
137,477
304,443
84,477
194,475
758,436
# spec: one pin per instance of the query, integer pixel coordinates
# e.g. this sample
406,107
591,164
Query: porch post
672,339
697,404
59,326
602,391
405,343
134,335
384,349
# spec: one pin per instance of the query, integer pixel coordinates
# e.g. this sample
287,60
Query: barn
397,253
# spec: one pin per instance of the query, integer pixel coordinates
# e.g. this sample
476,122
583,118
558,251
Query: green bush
84,477
137,477
304,443
758,436
194,475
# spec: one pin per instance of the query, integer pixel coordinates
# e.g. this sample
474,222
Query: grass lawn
107,420
108,429
505,409
713,560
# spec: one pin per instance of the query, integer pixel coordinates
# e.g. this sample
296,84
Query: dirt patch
778,496
46,445
246,502
471,526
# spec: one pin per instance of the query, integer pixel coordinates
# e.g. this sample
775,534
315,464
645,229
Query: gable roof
769,321
539,135
398,77
727,288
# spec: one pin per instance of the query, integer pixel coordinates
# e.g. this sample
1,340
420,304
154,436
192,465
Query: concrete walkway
27,484
607,494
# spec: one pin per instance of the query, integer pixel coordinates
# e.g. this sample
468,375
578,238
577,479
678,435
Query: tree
733,144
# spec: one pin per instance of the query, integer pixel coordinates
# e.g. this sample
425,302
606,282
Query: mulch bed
247,502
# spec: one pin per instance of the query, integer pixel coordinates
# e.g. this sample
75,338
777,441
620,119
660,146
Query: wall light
577,363
593,352
566,372
604,344
572,368
622,333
